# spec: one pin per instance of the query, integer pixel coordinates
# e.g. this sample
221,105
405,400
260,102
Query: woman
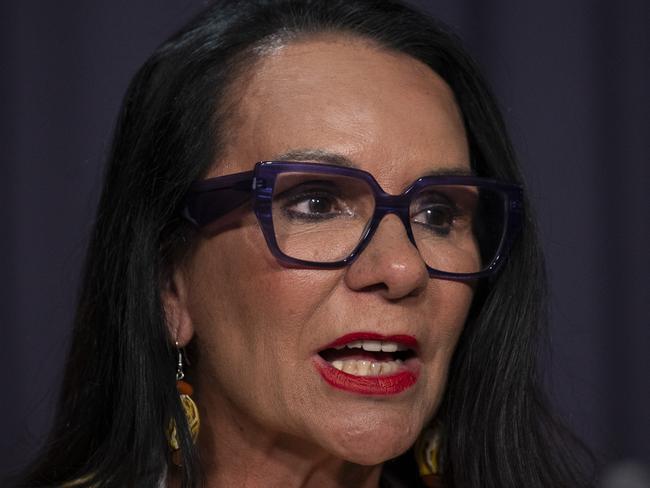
360,309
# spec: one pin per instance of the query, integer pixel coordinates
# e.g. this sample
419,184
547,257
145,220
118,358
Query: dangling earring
190,409
427,453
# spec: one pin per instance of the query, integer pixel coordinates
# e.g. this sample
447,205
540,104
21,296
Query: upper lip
404,339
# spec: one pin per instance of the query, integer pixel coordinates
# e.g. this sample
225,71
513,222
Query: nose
390,263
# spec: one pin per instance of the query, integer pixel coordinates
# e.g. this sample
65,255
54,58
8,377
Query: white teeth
374,346
388,368
350,367
375,369
367,366
364,367
371,346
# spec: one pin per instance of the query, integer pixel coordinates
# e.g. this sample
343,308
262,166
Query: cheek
221,298
248,311
456,301
451,303
450,306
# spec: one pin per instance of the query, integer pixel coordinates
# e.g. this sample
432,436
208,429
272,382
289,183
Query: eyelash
304,196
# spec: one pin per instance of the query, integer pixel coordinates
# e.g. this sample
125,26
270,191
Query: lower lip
366,385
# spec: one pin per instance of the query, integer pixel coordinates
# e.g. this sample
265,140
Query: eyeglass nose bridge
384,205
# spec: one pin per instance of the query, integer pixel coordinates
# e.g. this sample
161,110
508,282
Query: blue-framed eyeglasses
322,215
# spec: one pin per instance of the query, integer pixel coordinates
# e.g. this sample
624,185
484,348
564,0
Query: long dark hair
119,390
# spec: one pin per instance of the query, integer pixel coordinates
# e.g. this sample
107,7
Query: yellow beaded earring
427,454
190,409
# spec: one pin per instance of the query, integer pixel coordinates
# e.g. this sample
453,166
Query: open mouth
368,357
369,363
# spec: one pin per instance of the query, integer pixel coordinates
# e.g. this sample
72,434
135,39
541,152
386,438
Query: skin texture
268,418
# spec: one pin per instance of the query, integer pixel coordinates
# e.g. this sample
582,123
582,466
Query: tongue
345,353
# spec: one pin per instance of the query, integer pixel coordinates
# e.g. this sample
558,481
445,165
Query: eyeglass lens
321,218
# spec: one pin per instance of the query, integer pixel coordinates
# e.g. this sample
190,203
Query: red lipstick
381,385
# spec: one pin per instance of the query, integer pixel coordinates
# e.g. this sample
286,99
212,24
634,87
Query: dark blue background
573,79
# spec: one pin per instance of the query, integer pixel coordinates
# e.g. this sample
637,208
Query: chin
372,446
371,454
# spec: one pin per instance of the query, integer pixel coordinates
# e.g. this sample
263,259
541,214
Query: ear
174,295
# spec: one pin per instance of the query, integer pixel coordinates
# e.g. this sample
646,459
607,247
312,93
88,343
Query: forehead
385,112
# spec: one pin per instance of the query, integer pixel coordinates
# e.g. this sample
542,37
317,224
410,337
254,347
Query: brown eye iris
438,216
319,205
435,212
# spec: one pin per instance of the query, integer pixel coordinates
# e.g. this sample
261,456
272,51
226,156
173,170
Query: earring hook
179,366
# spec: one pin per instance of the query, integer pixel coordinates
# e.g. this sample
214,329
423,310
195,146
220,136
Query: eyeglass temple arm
211,199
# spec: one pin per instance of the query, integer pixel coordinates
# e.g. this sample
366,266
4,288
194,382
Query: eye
312,202
435,211
313,205
438,217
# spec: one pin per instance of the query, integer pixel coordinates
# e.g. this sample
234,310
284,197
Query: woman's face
259,327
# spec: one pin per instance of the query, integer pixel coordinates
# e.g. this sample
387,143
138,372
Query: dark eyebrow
451,171
323,156
319,155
